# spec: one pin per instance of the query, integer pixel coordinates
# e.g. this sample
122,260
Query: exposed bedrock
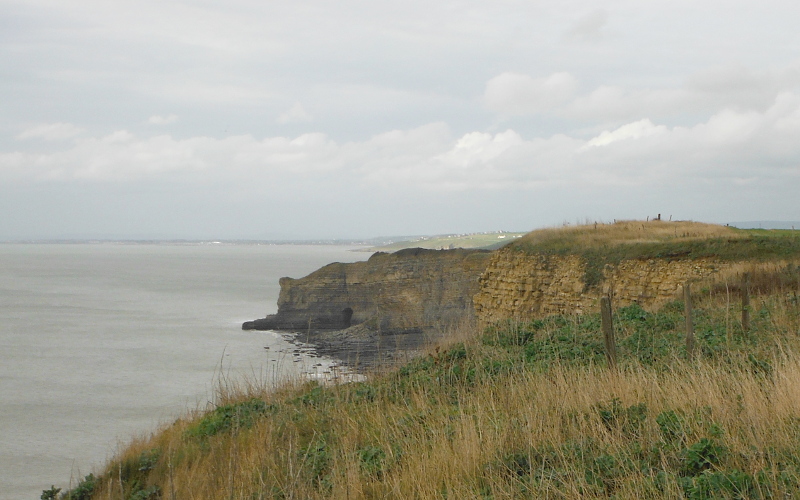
519,286
411,290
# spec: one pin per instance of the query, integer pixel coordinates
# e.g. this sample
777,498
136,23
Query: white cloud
635,130
162,119
615,103
295,114
516,94
705,92
477,146
51,132
731,144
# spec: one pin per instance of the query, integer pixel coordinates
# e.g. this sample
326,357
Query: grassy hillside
519,410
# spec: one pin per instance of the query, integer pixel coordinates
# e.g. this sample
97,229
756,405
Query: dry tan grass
434,448
534,411
629,232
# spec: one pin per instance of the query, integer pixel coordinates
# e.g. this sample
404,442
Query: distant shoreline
186,242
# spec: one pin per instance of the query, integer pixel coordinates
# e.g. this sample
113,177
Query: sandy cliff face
521,286
412,289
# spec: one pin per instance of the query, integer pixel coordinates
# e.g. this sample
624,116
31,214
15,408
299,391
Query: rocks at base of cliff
364,348
361,346
333,321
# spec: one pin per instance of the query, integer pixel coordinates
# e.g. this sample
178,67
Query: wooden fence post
687,308
608,331
746,302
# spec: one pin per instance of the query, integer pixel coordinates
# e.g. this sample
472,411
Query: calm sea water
101,342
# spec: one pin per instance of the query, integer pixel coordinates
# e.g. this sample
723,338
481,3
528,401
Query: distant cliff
411,290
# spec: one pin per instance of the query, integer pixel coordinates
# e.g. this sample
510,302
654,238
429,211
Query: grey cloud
589,28
512,93
162,119
51,132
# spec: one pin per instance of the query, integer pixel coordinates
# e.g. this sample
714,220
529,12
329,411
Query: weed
232,416
145,494
672,426
701,456
317,460
616,416
84,490
372,460
50,494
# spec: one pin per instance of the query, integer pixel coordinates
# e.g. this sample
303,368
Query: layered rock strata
517,285
411,290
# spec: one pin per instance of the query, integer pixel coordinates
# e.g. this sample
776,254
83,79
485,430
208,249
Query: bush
84,489
234,416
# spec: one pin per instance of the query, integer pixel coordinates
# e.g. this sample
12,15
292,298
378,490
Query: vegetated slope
522,409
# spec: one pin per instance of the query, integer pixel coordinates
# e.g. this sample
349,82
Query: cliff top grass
632,232
609,244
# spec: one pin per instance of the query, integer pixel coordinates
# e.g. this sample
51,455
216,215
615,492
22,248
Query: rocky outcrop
517,285
411,290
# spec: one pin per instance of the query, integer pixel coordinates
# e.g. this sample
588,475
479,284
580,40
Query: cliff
567,270
520,286
412,290
347,308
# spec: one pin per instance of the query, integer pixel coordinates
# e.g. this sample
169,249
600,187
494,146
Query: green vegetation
233,416
50,494
84,491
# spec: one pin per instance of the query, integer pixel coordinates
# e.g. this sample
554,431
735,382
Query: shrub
233,416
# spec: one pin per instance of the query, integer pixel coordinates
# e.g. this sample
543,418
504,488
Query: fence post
608,331
746,302
687,308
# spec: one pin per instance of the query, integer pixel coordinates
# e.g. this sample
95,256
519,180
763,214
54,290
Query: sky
252,119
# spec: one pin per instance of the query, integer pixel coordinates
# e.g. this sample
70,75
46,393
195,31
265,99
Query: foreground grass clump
521,410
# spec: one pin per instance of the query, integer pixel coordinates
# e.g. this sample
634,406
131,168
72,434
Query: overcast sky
320,119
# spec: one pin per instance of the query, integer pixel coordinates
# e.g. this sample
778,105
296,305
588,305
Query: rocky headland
365,312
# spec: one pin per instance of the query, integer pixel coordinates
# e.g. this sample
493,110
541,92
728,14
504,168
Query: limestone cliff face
412,289
516,285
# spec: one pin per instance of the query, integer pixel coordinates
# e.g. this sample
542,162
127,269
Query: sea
102,342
